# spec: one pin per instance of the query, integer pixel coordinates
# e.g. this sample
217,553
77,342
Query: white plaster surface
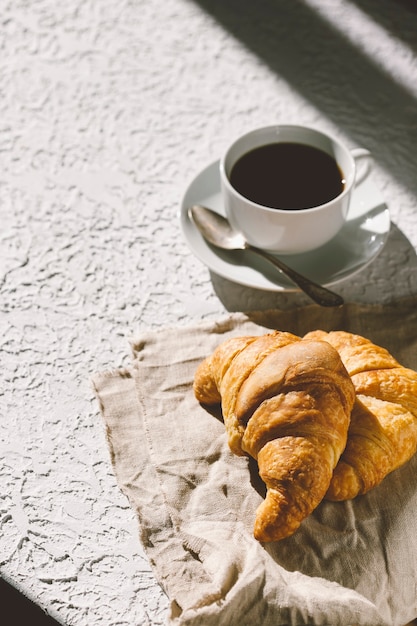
108,108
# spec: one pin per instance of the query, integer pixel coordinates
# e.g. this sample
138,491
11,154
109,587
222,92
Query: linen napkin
350,563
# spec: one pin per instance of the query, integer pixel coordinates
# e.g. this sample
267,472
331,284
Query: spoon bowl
218,231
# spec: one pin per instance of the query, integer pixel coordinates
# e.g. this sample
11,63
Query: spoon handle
319,294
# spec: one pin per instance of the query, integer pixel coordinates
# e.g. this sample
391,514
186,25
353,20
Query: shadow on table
346,84
390,277
20,609
395,19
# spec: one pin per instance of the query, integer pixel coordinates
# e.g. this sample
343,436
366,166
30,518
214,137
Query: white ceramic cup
291,231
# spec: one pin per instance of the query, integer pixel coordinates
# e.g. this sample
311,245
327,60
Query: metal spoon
217,231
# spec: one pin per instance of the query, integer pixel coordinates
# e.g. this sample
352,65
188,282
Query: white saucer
354,247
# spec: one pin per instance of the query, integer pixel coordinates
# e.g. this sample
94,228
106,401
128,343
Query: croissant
383,429
286,402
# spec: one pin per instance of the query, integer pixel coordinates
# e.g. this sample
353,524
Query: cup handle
364,157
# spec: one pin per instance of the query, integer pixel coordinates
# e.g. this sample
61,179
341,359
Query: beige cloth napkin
349,563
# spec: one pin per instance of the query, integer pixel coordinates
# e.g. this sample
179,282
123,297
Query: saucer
357,244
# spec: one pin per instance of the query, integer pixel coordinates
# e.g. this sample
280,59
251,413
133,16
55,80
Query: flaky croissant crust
287,403
383,429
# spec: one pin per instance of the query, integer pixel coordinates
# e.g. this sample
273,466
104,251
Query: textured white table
108,110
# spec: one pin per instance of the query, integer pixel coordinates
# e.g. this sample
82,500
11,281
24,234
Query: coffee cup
287,188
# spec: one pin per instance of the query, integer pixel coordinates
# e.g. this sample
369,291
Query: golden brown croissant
287,403
383,429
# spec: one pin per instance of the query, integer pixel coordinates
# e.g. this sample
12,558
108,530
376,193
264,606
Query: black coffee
287,176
